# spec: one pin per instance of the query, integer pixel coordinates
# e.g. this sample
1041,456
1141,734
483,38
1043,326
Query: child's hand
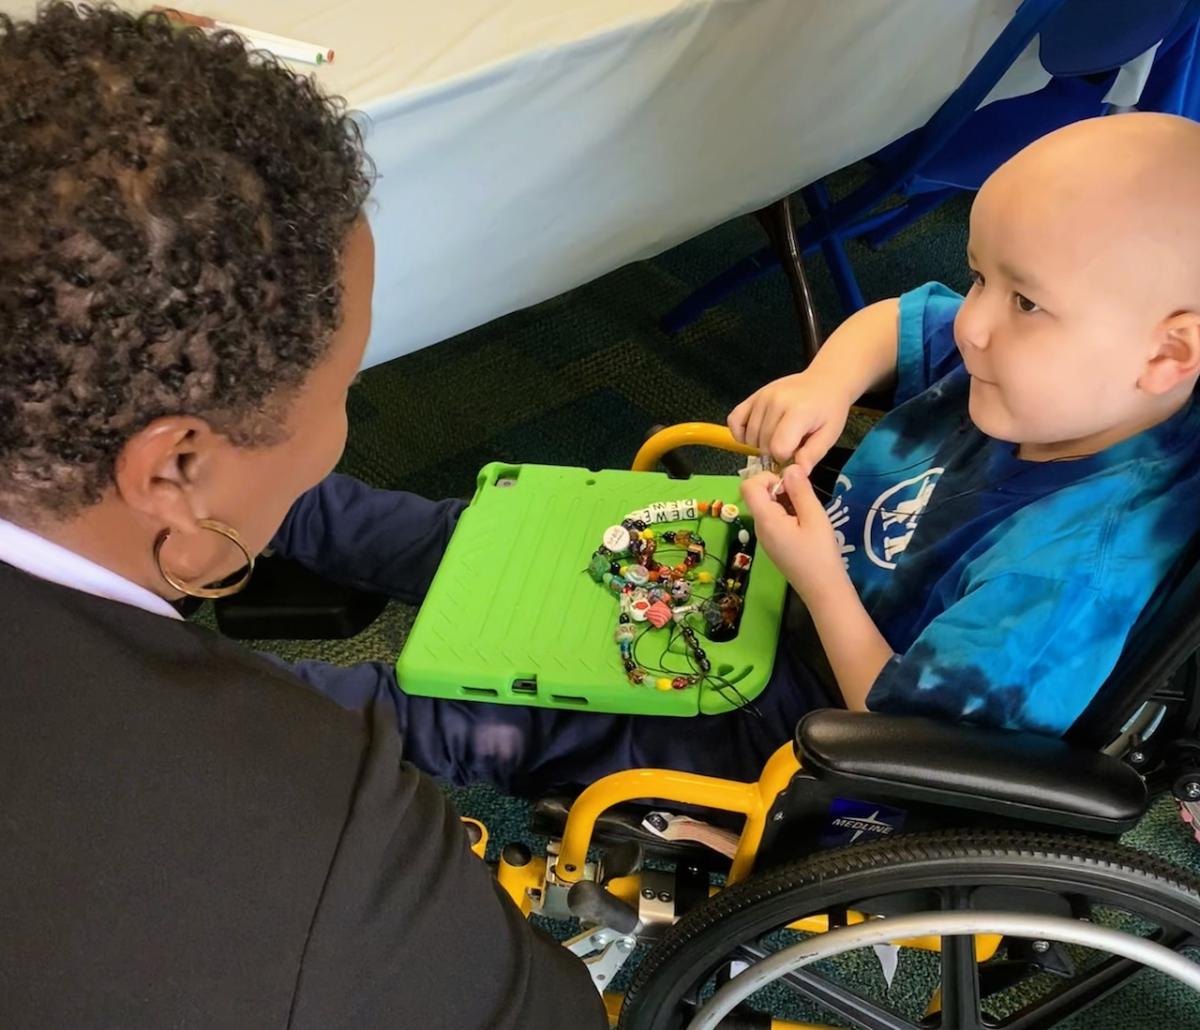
796,418
802,545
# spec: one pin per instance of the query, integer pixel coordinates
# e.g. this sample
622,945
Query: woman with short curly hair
190,836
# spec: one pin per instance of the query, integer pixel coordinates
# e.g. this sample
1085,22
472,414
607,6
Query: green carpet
578,379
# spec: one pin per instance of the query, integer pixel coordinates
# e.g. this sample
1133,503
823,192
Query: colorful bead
658,615
702,507
638,574
679,683
663,684
636,676
598,566
624,633
715,508
704,577
729,512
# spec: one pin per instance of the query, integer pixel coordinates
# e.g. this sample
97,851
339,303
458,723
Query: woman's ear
1176,356
161,470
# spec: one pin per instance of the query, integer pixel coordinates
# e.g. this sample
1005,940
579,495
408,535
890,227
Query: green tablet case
513,617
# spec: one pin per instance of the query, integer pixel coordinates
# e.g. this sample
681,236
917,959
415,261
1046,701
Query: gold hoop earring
230,534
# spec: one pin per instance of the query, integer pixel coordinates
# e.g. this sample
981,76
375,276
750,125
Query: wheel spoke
961,1005
1086,990
961,1002
1046,1012
840,1001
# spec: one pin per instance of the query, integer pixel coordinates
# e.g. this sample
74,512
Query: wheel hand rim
949,924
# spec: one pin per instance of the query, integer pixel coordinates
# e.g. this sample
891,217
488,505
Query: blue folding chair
1082,45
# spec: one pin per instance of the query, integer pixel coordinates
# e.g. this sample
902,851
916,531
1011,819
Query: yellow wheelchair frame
530,883
1020,824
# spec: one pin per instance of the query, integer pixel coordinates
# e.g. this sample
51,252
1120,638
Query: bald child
992,541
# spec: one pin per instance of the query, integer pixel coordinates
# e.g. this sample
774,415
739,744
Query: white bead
743,536
616,539
729,512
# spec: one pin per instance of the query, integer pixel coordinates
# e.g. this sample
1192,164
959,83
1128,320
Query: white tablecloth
527,146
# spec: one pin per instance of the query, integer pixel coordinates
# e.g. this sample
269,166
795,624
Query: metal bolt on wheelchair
983,863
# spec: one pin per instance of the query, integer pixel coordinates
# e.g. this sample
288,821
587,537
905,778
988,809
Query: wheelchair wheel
1028,984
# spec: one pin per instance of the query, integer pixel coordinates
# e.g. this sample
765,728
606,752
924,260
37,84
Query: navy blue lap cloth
391,542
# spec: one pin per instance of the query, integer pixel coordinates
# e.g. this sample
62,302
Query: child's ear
1176,356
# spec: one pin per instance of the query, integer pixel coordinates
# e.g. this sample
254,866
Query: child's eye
975,277
1025,304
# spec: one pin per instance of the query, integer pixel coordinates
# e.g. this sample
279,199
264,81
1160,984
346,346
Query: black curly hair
174,210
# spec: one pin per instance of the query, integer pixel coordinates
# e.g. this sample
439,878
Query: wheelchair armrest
1022,776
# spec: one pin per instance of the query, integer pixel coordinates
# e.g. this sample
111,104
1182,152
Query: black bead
623,618
639,525
700,655
615,568
669,537
704,664
629,665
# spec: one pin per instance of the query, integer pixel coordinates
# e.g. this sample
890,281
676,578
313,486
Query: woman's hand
796,418
802,545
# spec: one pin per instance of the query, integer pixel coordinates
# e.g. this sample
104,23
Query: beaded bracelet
656,593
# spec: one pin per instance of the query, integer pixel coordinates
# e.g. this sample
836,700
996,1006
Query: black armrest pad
1020,775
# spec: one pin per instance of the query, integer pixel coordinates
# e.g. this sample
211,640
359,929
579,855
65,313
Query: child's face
1056,330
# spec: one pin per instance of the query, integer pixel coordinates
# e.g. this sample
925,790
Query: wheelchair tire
666,987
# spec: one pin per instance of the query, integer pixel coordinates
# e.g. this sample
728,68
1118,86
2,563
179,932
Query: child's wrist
822,587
